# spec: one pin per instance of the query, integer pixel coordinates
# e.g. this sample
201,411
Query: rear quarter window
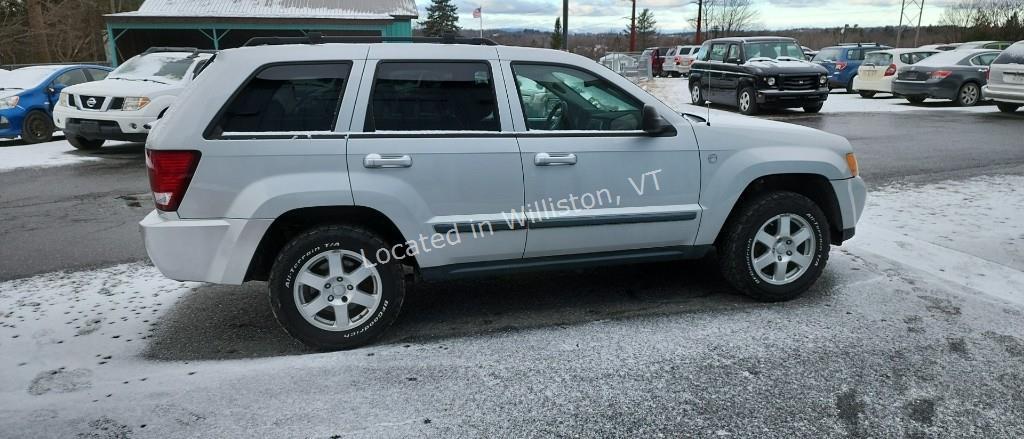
1012,55
828,55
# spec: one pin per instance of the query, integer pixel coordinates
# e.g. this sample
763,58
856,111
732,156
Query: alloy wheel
969,95
337,290
783,249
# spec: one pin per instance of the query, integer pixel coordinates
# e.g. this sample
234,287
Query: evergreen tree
556,37
442,18
646,29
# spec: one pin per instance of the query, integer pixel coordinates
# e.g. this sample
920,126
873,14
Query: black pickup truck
757,72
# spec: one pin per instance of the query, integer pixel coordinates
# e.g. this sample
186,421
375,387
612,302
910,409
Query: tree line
46,31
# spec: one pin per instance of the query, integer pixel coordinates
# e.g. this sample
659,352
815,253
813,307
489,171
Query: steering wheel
556,115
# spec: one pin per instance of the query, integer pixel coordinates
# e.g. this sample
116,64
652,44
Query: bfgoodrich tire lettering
314,244
737,245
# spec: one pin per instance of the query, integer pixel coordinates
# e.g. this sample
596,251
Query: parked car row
92,104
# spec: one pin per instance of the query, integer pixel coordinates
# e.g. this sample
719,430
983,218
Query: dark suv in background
842,62
755,72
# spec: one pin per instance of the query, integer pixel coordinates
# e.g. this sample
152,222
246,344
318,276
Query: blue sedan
28,95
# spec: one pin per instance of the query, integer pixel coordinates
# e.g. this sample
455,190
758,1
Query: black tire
814,108
85,144
736,245
676,74
849,86
964,95
37,128
867,94
1007,107
313,244
697,93
915,99
749,108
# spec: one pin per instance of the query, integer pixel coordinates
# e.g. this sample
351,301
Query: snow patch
40,155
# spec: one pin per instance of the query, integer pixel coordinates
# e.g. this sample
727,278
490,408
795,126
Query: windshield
828,55
28,77
1012,55
878,59
773,50
159,67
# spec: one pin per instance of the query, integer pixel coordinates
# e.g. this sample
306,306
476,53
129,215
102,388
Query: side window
98,75
908,58
671,52
71,77
718,52
984,59
287,97
855,55
734,52
433,96
560,98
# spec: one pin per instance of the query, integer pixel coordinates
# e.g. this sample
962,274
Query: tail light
840,65
941,74
988,75
678,59
891,70
169,175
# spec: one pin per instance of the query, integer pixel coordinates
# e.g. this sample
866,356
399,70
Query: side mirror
55,89
652,123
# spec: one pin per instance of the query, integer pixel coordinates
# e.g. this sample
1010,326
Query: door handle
554,159
387,161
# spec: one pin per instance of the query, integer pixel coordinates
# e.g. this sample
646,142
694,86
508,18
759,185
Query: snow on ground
17,155
675,93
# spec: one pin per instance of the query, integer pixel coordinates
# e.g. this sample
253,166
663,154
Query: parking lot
914,330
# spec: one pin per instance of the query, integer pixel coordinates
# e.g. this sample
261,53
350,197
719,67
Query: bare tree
38,30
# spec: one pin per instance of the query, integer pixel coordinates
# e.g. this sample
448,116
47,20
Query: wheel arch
296,221
816,187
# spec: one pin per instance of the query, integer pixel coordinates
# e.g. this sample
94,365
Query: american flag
477,12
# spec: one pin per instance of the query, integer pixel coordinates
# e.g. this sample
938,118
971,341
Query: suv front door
594,181
432,150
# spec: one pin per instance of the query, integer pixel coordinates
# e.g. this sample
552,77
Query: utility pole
700,13
565,25
632,30
910,11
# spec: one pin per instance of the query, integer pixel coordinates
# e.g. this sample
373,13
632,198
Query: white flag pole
481,22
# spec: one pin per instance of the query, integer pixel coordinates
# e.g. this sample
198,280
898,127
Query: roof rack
195,52
319,38
859,44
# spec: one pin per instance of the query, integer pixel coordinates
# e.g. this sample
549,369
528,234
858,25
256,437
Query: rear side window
1012,55
983,59
71,77
855,55
287,97
433,96
828,55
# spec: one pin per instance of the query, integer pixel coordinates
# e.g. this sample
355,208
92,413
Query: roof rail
195,52
859,44
319,38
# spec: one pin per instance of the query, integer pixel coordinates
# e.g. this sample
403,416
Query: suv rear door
594,181
432,148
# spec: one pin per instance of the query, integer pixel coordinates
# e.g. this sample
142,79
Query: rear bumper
1004,94
936,90
785,98
217,251
852,194
878,85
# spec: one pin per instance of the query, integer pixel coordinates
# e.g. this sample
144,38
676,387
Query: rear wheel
969,95
746,101
866,94
915,99
1007,108
85,144
775,246
325,294
849,87
37,128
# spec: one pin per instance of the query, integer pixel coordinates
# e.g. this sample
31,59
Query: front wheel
814,108
1006,107
746,101
969,95
696,93
84,144
775,246
37,128
331,289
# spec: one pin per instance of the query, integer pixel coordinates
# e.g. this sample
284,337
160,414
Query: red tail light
941,74
891,70
169,175
678,59
840,65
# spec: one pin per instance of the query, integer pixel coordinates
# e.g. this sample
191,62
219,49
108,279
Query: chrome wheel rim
783,249
969,95
337,290
744,101
695,94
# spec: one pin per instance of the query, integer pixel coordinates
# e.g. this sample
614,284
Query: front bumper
789,98
214,250
106,125
852,194
1013,95
925,89
10,122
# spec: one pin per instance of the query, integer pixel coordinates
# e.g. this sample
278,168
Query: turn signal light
170,172
851,161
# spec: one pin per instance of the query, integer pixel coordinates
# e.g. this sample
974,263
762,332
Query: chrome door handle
387,161
554,159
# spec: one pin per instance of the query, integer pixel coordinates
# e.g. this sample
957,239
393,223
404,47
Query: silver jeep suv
340,170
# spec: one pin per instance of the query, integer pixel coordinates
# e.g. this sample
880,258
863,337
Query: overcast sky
602,15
